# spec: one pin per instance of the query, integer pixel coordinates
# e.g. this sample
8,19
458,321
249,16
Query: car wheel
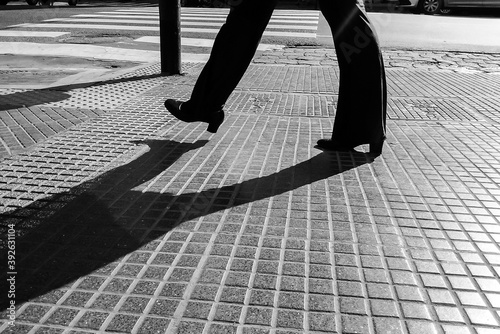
72,2
430,7
32,2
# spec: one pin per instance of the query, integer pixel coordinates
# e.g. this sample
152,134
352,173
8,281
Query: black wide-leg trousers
361,108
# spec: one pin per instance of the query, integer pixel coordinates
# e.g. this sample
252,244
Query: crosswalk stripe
201,42
291,12
101,14
273,20
153,22
188,18
87,26
90,51
131,13
205,17
212,11
153,28
195,24
31,33
215,14
269,26
225,15
195,21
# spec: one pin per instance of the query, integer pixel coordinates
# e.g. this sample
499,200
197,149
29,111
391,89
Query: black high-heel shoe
376,147
213,119
331,145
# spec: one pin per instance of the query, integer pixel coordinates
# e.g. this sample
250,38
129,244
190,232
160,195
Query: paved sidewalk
128,221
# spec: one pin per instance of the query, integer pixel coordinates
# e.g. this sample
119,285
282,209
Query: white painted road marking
146,28
190,18
202,42
156,22
90,52
199,21
31,33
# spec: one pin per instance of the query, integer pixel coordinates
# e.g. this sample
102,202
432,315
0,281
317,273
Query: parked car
437,6
42,2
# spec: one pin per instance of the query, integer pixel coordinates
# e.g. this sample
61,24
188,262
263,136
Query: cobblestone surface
462,62
133,222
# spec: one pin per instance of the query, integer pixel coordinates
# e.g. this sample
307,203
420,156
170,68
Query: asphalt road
467,31
397,29
471,31
18,11
438,32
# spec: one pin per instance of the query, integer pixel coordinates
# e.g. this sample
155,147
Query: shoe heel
215,121
376,148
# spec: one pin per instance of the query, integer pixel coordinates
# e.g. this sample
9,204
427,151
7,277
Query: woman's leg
361,108
233,50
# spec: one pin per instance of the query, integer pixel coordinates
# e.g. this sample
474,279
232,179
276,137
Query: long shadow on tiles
100,221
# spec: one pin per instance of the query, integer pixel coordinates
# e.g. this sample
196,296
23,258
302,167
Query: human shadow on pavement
92,231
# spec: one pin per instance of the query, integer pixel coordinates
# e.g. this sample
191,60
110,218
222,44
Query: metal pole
170,36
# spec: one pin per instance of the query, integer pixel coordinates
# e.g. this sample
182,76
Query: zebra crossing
199,27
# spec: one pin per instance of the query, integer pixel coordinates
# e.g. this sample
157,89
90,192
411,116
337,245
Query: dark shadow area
452,11
73,234
31,98
474,12
106,82
37,97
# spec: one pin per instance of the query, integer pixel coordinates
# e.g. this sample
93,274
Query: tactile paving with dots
112,93
155,69
107,95
103,95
